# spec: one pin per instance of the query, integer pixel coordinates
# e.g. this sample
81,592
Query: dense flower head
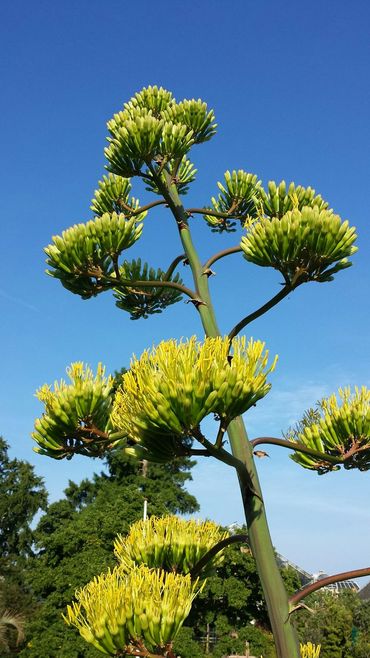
236,199
310,244
169,390
153,128
279,199
113,195
86,253
121,609
73,411
340,430
170,543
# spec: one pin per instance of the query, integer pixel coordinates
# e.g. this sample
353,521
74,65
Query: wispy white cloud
282,408
18,301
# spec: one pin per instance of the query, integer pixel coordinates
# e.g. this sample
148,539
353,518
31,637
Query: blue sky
289,85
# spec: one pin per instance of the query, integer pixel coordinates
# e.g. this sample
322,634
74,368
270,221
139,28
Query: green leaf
142,302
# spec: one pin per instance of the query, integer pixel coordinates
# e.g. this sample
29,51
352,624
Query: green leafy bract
141,302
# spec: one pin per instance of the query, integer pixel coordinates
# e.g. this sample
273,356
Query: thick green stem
258,531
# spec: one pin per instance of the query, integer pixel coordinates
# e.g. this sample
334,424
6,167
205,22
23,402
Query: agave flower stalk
288,228
258,530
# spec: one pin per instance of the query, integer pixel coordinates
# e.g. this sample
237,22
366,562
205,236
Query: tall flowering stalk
158,410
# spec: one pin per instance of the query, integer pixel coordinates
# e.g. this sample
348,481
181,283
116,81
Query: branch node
260,454
196,302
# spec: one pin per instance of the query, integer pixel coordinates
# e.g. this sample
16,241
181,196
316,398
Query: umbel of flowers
171,543
125,611
170,389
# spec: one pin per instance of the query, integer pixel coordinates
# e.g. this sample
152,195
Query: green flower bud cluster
168,391
337,430
236,199
76,414
278,200
310,650
170,543
151,98
142,302
183,173
114,191
302,245
85,253
153,128
193,114
121,611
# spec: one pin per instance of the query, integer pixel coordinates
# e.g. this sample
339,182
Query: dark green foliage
230,601
22,495
341,624
291,579
186,646
234,643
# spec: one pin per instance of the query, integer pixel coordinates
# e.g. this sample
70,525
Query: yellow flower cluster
120,608
84,402
310,650
167,392
339,430
170,543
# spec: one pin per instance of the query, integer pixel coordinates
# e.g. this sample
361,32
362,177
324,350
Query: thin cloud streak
18,301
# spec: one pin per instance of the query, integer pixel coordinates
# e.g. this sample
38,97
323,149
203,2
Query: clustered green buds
310,650
85,254
169,390
76,414
113,195
278,199
141,302
154,129
336,430
236,199
195,116
170,543
125,611
304,245
183,173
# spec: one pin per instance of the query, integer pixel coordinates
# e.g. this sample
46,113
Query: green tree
331,623
22,496
158,411
74,540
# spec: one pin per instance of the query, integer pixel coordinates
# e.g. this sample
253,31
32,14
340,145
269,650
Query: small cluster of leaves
183,173
141,302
